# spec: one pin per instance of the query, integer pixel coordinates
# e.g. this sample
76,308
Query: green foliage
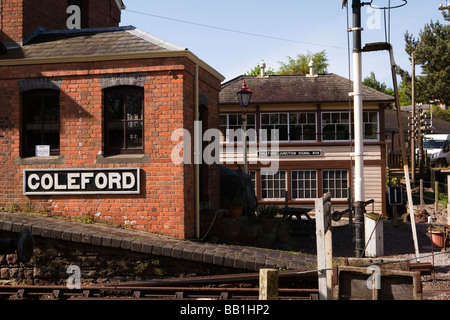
373,83
266,211
432,53
440,113
256,71
300,65
87,218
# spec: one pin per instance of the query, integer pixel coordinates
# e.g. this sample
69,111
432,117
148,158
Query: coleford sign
81,181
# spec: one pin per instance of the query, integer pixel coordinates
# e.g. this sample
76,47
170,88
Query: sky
234,36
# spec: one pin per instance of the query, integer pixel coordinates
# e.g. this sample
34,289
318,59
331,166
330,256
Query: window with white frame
303,184
336,126
231,125
336,183
370,121
293,126
274,121
302,126
273,184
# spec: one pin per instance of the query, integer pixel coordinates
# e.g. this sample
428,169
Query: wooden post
324,246
436,196
421,194
448,203
268,284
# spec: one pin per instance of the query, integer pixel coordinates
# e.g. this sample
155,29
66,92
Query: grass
429,198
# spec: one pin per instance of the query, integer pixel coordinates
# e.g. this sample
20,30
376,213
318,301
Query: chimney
22,18
262,66
312,69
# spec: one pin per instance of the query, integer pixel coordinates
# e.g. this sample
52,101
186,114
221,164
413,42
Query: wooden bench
288,212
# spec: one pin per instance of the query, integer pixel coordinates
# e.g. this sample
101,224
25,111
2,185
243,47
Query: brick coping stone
239,257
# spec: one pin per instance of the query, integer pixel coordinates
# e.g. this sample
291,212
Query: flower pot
437,238
235,212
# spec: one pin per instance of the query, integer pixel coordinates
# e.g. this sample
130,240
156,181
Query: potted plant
266,215
236,205
437,236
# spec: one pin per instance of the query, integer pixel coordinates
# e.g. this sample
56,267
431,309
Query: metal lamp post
244,96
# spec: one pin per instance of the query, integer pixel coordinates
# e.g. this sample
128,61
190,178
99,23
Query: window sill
123,158
40,160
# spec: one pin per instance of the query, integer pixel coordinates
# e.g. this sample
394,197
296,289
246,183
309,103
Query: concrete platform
239,257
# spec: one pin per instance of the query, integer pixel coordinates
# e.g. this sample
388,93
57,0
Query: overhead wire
233,30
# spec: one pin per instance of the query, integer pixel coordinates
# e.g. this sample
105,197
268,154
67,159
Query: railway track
217,287
144,293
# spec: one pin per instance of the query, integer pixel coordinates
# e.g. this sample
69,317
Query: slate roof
89,42
297,89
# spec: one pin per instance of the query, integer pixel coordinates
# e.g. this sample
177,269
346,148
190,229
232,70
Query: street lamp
244,96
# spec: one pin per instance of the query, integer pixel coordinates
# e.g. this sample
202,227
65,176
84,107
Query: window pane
114,107
309,132
133,105
273,185
134,134
273,118
283,131
303,184
328,132
293,118
251,120
295,132
116,135
336,182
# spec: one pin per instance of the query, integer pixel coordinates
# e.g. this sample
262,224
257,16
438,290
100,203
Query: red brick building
87,116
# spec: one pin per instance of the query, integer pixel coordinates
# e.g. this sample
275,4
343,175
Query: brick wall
20,19
166,202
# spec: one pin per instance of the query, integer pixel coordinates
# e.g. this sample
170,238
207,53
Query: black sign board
316,153
395,196
81,181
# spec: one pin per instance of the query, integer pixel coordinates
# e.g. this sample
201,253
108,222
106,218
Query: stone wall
97,265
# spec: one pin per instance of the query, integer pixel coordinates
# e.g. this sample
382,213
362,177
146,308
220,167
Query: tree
256,71
373,83
300,65
432,52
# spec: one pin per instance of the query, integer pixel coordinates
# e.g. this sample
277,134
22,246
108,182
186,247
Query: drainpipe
197,153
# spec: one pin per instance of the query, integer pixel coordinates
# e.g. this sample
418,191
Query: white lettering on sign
119,181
